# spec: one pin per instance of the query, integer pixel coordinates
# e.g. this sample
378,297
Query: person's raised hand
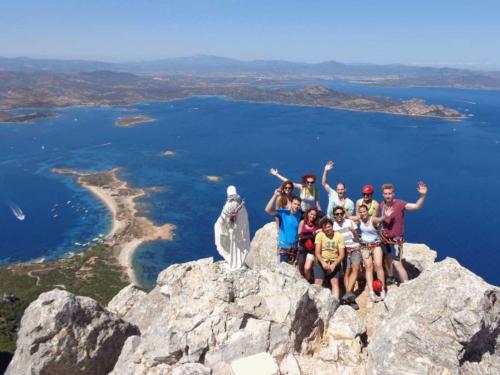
422,188
329,166
273,171
278,192
388,211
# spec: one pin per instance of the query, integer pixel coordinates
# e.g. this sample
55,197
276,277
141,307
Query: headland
128,230
128,122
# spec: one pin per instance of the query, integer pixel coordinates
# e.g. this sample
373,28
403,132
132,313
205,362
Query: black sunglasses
339,213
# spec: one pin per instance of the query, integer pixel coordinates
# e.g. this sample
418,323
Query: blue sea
240,142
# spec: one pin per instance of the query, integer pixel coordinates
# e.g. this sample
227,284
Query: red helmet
377,285
367,189
309,245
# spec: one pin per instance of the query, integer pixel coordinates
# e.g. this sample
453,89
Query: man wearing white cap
232,232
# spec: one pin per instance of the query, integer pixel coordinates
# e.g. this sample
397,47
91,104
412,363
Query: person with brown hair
307,232
309,195
329,254
392,236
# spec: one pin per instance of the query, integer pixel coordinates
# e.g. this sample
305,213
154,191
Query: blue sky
438,32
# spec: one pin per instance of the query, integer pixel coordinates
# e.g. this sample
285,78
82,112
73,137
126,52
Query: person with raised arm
336,197
392,236
309,195
289,226
329,254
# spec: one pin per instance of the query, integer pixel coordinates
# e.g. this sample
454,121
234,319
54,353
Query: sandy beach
128,230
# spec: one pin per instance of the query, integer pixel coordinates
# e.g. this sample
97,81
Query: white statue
232,232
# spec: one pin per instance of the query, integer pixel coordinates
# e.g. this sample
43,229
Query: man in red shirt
393,219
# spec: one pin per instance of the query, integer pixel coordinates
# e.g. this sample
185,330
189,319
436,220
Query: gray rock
191,369
346,323
126,299
447,319
418,258
212,316
263,251
65,334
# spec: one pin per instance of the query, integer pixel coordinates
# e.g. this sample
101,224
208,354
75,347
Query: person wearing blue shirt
289,226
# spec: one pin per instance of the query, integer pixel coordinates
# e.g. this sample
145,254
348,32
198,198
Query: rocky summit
203,319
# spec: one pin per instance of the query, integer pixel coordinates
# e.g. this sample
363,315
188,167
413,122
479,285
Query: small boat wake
16,211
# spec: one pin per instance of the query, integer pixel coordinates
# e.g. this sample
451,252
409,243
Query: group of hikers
331,246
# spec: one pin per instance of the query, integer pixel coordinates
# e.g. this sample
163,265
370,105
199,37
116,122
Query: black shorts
395,251
320,273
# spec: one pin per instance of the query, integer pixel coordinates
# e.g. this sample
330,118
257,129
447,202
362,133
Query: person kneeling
329,255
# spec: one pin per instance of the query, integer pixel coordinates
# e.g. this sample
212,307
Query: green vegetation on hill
94,273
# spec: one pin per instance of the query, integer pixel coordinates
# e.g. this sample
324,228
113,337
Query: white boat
18,213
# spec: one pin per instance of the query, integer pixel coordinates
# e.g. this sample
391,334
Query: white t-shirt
334,201
345,231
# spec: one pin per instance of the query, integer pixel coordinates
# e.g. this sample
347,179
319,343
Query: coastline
233,99
128,231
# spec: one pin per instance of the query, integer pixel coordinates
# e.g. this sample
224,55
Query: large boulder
446,321
418,258
65,334
213,316
263,249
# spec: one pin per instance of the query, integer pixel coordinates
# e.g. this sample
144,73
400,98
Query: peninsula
10,118
105,88
128,230
128,122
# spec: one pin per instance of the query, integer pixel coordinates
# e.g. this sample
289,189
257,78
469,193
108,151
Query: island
10,118
127,122
128,229
107,88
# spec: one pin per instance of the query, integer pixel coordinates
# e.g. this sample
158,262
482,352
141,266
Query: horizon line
444,65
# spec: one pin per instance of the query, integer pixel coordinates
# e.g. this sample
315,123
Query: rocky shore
202,319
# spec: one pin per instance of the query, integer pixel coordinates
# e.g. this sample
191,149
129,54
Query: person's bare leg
308,266
335,287
388,265
403,275
368,262
379,267
353,276
318,282
347,273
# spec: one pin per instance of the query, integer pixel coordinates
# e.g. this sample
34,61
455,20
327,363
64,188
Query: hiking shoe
391,280
349,297
382,295
373,296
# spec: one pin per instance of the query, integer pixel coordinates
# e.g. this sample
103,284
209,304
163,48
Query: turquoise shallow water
240,141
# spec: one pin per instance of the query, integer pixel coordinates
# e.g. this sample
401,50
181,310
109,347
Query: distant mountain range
203,65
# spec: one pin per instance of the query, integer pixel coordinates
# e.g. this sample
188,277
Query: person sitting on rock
337,196
392,235
289,225
352,263
309,195
307,231
329,254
